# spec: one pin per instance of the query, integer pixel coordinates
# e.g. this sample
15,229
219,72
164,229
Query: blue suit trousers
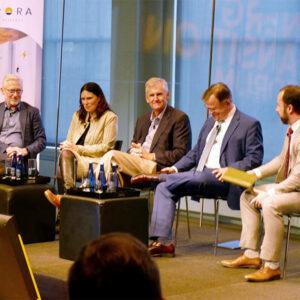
176,186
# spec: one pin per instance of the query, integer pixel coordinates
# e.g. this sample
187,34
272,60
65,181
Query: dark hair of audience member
102,106
114,266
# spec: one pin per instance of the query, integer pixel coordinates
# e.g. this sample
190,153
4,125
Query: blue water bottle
20,167
91,178
14,163
101,179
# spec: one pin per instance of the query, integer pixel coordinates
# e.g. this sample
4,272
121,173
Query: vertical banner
21,44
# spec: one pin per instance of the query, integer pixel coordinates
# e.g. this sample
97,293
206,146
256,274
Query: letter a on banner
21,45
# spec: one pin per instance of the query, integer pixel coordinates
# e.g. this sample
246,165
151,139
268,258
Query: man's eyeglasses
11,91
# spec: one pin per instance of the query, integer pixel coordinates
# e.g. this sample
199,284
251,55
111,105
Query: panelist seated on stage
93,132
114,266
272,200
21,128
161,137
228,139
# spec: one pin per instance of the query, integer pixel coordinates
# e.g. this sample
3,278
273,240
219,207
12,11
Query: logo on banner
8,11
18,11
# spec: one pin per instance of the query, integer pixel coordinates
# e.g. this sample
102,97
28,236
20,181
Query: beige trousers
272,210
128,164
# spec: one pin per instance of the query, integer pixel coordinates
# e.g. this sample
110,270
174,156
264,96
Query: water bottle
20,167
14,163
91,178
113,180
101,179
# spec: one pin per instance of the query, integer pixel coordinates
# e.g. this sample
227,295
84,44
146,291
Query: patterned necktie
208,147
287,158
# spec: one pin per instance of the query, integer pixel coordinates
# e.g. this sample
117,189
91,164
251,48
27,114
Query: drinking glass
8,162
112,182
32,172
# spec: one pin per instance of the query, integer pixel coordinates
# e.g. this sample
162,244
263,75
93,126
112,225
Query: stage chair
187,219
287,241
227,245
118,145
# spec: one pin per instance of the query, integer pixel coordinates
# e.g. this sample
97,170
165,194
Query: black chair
118,145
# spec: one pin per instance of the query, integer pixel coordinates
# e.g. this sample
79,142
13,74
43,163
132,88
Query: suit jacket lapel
231,128
209,126
164,122
23,116
2,109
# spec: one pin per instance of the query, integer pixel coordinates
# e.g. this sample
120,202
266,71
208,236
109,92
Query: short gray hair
12,77
154,81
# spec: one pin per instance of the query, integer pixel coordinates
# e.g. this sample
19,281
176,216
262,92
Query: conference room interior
252,46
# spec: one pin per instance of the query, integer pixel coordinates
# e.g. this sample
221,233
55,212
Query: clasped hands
66,145
11,150
138,150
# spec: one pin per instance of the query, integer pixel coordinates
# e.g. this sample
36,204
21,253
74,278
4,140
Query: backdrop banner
21,45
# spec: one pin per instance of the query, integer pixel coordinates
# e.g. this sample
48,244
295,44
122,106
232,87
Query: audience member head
288,104
114,266
12,88
218,101
157,94
92,100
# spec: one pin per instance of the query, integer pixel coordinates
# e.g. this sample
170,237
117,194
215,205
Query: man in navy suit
238,144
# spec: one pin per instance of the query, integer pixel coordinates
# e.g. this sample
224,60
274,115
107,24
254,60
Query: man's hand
219,173
168,170
261,196
11,150
66,145
138,150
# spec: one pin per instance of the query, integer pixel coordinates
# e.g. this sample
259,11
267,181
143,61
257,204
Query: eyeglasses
11,91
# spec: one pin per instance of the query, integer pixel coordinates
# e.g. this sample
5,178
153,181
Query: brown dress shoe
52,198
158,249
264,274
145,181
242,262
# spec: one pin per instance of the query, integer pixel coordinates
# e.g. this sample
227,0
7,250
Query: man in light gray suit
21,128
272,200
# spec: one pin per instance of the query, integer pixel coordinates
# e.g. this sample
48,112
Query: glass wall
121,43
85,57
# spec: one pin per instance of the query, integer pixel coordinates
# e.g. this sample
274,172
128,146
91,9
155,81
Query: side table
35,216
83,219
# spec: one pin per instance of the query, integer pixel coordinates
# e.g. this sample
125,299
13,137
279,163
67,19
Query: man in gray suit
161,137
21,128
272,200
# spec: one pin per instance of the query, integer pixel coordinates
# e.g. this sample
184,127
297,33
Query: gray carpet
195,273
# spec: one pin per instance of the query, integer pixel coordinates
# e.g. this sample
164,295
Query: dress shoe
242,262
145,181
264,274
158,249
52,198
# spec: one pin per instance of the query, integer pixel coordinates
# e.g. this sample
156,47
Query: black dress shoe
145,181
159,249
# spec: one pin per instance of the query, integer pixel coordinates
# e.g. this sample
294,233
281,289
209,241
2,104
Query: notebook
239,177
